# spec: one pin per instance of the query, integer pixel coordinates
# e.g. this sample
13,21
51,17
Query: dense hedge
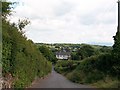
93,69
21,57
116,52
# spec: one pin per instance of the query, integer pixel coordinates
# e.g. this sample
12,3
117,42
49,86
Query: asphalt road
56,80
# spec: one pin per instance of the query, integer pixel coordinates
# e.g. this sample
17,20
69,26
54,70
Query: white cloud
70,21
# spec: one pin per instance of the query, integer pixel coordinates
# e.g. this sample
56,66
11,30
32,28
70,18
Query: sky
68,21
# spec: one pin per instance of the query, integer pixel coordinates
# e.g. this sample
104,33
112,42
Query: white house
63,55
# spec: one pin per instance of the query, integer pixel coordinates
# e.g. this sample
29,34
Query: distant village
64,51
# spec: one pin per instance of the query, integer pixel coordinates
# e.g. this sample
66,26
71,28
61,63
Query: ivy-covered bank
20,56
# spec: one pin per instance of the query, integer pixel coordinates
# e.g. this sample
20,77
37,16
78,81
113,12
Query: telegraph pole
119,15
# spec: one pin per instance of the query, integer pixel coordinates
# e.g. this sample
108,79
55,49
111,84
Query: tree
6,11
22,23
47,53
116,46
116,52
6,8
85,51
105,49
74,56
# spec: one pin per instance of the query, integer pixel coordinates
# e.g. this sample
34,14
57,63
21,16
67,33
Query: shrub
21,57
76,76
63,66
92,69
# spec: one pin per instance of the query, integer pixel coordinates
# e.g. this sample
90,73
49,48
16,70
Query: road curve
56,80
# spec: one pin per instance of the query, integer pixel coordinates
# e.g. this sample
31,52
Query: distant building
63,55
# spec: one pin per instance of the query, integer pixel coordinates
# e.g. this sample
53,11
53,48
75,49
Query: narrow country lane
56,80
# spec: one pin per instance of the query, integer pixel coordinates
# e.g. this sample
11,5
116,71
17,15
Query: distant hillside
71,46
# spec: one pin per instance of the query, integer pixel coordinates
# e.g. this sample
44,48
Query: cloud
70,21
63,8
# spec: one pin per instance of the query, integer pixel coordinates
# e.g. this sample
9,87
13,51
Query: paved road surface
56,80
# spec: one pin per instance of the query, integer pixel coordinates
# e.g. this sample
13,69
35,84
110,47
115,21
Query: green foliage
63,66
75,76
116,52
20,56
48,53
75,56
6,8
6,49
80,76
108,82
85,51
90,70
93,69
116,46
22,23
89,50
105,49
